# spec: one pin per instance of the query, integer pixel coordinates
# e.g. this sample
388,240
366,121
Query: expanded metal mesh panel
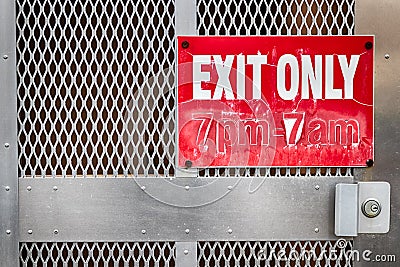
94,87
158,254
291,253
96,79
152,254
275,17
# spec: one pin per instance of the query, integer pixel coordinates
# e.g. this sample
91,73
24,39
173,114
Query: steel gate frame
60,211
9,225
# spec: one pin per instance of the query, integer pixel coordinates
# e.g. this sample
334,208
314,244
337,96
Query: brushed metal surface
186,254
8,138
346,210
119,210
382,19
379,191
352,218
185,17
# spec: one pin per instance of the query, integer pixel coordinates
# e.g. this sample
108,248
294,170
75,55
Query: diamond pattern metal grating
98,254
279,253
94,97
260,253
273,17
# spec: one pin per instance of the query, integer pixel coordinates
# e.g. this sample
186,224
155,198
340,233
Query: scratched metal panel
127,209
381,18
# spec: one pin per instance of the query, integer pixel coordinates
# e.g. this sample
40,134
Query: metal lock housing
358,210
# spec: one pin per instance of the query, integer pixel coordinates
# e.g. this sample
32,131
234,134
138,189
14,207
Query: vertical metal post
186,254
185,24
8,137
185,17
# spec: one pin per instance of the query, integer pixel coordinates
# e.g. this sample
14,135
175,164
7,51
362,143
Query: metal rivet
368,45
30,231
7,188
29,188
187,231
230,187
55,231
370,163
5,56
316,187
186,252
387,56
316,230
187,187
188,164
8,232
143,231
185,44
143,187
230,231
55,188
6,145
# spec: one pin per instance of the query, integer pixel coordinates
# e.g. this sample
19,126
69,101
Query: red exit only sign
275,101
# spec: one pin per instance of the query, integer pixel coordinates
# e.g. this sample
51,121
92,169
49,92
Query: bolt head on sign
275,101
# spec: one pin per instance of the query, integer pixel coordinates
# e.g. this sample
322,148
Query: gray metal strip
186,254
185,17
121,209
185,24
346,210
8,138
381,18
